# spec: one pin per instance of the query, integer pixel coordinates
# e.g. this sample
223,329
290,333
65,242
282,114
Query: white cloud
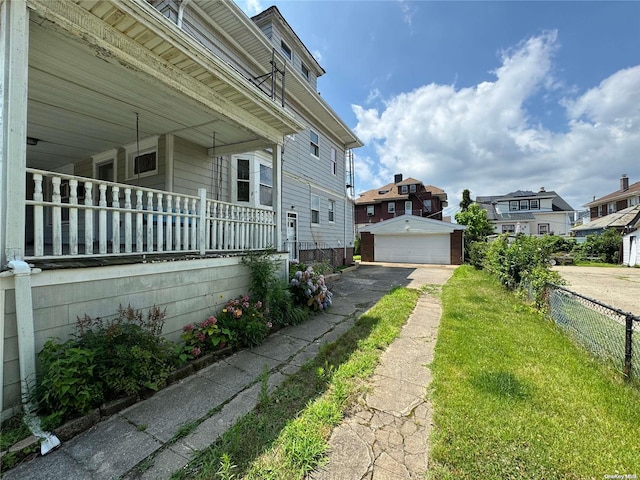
483,137
253,7
317,54
407,12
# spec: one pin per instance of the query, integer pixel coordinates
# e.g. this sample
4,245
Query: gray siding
193,168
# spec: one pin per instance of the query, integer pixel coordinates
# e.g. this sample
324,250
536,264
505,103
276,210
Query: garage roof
411,225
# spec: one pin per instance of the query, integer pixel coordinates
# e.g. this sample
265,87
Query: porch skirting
190,290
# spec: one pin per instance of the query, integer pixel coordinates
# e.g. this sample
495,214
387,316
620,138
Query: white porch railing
80,217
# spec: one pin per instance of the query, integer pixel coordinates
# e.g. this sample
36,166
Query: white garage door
433,249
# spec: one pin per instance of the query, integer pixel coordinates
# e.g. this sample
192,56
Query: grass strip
514,398
286,436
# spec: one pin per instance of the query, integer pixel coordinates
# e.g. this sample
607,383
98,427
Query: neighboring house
402,197
528,212
160,141
413,239
625,197
625,221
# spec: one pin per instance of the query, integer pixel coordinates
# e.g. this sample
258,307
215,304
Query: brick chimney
397,178
624,182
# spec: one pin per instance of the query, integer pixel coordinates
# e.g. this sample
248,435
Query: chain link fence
607,332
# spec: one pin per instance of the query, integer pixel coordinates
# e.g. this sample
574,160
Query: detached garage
412,239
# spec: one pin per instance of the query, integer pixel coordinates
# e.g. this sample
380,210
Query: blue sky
489,96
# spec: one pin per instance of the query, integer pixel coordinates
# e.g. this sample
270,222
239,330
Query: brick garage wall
457,254
366,247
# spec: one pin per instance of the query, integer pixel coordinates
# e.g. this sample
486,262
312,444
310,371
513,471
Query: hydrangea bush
203,337
308,287
246,320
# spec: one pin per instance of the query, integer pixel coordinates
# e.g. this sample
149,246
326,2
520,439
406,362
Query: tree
478,226
466,200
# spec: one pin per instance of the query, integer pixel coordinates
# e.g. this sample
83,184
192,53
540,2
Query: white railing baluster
88,218
102,219
185,225
208,225
139,222
170,221
202,221
178,236
115,220
149,216
128,227
38,216
194,224
56,217
159,223
73,217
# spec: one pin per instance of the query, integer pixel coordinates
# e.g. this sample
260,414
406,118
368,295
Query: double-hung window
315,144
285,50
391,207
243,180
266,185
142,158
332,164
543,228
370,210
315,209
332,208
404,189
508,228
514,205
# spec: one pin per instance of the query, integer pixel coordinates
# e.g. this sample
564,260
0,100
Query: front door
292,234
408,206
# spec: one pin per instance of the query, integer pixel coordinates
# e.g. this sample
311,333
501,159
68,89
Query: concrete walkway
385,437
141,442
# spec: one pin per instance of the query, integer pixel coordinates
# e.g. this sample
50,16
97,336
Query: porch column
14,53
276,161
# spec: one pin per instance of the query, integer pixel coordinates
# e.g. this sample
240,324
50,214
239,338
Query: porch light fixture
32,141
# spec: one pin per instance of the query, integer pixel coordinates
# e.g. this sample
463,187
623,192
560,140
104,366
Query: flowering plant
309,289
201,337
246,320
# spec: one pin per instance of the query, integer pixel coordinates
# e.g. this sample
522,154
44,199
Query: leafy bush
477,254
203,337
272,290
107,358
308,288
525,263
604,247
69,386
245,321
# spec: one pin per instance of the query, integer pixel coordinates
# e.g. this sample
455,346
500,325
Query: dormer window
524,204
534,204
514,205
305,71
404,189
412,188
285,49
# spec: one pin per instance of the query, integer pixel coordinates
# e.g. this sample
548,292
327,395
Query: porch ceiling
83,97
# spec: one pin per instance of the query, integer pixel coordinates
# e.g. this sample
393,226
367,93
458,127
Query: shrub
245,321
308,288
477,254
106,359
203,337
603,247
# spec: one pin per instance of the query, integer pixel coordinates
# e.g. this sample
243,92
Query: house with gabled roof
626,196
532,213
401,197
146,147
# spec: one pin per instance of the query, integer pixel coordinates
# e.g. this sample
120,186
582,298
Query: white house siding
631,249
559,222
190,291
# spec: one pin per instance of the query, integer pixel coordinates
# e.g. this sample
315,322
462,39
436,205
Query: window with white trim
412,188
370,210
631,201
508,228
611,208
332,208
243,180
266,185
543,228
315,209
514,205
524,204
305,71
427,205
142,158
391,207
404,189
332,164
315,143
534,204
285,49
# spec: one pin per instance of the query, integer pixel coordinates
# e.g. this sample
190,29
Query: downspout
21,272
181,8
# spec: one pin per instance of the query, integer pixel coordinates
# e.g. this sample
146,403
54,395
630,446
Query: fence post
627,347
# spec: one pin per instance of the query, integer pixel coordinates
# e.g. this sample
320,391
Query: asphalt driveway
618,287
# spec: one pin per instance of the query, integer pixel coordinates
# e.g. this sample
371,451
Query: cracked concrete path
386,434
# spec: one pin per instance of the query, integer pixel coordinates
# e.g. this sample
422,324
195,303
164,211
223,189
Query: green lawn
514,398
